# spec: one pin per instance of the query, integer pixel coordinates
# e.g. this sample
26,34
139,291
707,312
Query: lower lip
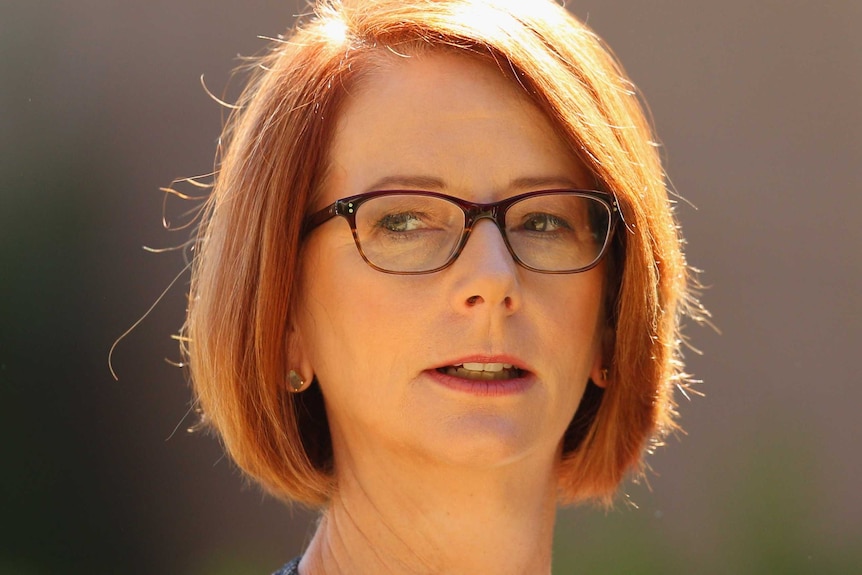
482,387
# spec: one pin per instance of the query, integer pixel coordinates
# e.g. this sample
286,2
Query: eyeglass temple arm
321,216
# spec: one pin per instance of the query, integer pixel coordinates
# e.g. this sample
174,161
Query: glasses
417,232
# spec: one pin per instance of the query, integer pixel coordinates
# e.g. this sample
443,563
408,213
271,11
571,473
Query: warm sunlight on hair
335,30
479,17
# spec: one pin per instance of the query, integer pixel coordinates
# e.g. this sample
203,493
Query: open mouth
482,371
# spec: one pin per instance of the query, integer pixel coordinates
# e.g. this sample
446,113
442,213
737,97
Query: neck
424,520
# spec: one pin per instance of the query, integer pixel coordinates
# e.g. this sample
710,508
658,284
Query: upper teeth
484,366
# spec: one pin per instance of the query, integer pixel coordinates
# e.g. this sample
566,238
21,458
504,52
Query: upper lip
513,360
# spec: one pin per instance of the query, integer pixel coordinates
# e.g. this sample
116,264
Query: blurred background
757,105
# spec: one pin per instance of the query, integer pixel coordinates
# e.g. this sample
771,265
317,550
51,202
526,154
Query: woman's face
384,347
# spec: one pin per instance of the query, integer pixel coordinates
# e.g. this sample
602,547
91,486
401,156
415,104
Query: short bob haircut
272,160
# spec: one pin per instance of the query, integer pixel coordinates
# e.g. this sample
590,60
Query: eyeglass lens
416,233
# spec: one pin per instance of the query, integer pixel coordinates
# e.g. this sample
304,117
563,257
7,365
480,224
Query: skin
432,478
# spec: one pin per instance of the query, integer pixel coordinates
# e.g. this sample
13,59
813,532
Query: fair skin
437,475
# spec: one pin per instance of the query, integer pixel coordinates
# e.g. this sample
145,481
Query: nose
486,276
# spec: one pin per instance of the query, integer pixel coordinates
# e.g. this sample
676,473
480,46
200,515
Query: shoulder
291,568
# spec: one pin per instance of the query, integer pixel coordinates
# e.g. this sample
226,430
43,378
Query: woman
437,285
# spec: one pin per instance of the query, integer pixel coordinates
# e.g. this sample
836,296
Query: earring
604,374
296,383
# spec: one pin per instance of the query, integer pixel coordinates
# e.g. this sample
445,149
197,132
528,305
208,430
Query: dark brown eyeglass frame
473,212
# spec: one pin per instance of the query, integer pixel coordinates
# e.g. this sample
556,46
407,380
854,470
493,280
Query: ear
601,370
298,358
599,373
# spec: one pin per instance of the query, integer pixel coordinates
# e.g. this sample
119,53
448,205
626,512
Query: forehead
448,117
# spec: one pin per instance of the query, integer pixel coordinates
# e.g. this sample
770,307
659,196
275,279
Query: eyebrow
547,183
432,184
427,183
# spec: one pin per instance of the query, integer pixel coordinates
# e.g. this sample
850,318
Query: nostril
473,300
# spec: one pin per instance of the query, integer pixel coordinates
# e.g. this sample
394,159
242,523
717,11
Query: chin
487,441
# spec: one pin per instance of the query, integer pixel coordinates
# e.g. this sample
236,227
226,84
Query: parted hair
273,158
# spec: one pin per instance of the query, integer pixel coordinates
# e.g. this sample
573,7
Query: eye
401,222
543,222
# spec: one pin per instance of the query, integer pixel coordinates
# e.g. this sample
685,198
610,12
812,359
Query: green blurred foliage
764,509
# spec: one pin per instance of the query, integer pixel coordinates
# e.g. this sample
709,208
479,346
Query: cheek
356,322
576,314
